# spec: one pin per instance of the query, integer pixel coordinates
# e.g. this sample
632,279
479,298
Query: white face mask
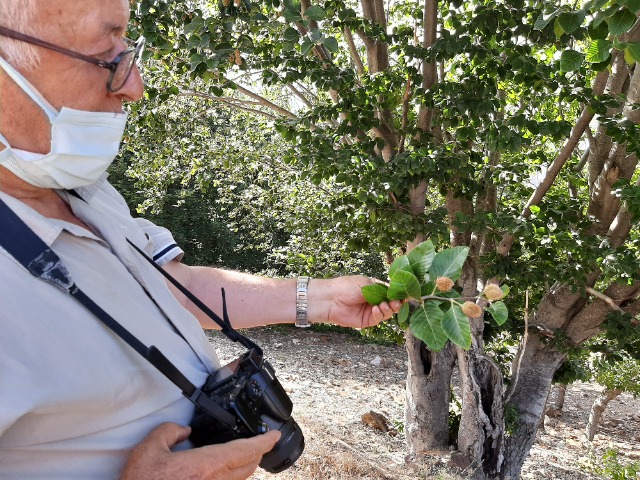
83,144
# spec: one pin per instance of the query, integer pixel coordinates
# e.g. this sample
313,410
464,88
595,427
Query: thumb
262,444
167,435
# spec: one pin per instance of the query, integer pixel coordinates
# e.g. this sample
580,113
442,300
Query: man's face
92,27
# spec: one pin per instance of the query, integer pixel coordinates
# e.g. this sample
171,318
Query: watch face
302,284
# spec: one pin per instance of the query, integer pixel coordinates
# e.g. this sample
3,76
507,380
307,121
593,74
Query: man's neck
43,200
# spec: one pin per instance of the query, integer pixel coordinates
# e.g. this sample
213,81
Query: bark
587,322
528,396
554,408
598,409
481,434
614,162
429,70
428,396
561,392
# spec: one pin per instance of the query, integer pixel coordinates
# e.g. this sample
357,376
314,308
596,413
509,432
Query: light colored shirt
74,398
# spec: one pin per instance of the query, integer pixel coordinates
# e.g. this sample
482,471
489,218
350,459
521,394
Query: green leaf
403,315
505,290
570,61
542,21
421,258
315,34
633,5
557,29
499,312
571,21
621,21
291,16
426,324
331,43
375,294
403,285
456,325
400,263
600,31
305,47
291,35
599,51
314,12
448,263
428,288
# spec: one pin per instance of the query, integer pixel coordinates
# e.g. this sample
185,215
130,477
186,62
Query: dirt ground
335,379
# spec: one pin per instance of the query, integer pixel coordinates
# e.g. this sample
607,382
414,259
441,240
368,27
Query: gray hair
19,15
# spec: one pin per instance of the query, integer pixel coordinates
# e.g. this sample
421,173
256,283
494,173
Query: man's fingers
167,435
247,451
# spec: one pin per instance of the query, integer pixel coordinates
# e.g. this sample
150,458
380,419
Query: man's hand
153,459
340,301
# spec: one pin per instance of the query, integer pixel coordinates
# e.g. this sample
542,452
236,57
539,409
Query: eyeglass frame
111,66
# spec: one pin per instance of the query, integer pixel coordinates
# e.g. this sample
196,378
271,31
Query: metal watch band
302,287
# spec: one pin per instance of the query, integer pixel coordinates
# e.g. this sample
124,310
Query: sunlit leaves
599,51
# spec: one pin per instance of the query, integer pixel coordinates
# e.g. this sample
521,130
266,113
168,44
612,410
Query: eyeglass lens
123,70
125,65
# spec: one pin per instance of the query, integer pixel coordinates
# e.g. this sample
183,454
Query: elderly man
77,402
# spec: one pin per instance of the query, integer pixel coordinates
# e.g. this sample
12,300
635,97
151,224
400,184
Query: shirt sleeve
165,248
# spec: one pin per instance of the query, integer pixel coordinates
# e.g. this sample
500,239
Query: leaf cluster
440,313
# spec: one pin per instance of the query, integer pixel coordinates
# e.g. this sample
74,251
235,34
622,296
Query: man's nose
133,88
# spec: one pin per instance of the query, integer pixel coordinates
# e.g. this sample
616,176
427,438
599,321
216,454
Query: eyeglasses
120,67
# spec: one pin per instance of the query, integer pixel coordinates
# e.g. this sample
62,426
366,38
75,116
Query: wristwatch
302,287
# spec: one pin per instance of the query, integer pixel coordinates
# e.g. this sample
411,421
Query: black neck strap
31,252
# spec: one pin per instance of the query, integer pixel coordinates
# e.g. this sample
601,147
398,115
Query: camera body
249,390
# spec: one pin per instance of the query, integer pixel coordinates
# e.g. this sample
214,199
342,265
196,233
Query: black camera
248,389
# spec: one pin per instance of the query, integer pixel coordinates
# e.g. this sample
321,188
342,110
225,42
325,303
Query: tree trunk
481,434
555,408
527,396
598,409
428,396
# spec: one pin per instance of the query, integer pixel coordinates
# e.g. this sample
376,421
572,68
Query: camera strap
31,252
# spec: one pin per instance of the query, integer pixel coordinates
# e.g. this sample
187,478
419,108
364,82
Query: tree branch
264,102
300,96
231,102
355,56
602,296
560,160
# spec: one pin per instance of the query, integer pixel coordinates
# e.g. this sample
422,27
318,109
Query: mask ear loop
29,89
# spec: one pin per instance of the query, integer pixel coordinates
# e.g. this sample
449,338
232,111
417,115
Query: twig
359,454
524,345
447,299
608,300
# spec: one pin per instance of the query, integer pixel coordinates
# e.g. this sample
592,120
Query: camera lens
287,450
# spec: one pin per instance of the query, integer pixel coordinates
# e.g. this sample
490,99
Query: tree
508,127
616,377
